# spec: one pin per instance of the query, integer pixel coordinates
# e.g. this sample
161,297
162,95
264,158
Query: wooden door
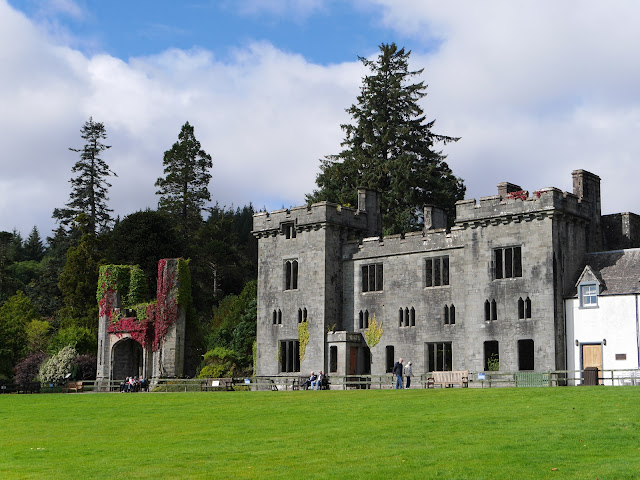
353,360
592,356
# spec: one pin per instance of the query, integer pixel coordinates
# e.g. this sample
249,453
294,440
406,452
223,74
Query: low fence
351,382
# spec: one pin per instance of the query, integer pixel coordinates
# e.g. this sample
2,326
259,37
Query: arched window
527,308
413,317
446,315
299,315
366,319
291,275
279,317
487,310
494,310
452,315
400,318
361,320
275,317
520,308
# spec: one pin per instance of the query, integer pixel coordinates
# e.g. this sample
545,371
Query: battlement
365,218
521,203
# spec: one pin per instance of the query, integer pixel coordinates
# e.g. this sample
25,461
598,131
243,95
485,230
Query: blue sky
535,88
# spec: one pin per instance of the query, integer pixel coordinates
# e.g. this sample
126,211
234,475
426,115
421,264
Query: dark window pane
365,278
446,315
294,275
428,272
436,272
445,271
379,279
497,258
508,262
517,262
452,315
287,276
372,278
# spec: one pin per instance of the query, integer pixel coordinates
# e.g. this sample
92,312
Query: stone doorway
126,359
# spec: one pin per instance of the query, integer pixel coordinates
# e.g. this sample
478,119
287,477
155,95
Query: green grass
586,433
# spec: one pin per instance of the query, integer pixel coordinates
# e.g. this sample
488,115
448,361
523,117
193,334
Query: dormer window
588,295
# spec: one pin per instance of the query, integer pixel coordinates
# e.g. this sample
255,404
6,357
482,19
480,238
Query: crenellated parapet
520,206
320,215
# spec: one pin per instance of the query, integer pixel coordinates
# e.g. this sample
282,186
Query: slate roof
619,271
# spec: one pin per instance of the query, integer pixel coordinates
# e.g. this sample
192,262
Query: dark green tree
33,247
15,313
390,148
184,189
89,187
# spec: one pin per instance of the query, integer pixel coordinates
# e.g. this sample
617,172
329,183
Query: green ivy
137,285
303,338
141,309
128,280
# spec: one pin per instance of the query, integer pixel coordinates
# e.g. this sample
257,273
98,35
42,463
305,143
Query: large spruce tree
89,187
390,148
184,189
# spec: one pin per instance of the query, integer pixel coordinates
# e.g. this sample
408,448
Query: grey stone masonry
448,298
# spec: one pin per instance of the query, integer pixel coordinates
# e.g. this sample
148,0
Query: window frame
582,291
372,273
291,268
437,271
507,262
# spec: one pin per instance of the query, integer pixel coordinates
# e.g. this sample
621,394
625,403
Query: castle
491,288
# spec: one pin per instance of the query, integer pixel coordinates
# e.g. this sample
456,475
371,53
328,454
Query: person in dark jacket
397,371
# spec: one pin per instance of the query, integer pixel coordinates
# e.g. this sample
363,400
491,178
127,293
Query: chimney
506,187
434,217
586,186
369,203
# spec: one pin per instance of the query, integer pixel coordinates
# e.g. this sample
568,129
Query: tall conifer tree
390,148
184,189
89,188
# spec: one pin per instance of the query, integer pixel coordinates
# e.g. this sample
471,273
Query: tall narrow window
333,359
446,315
299,315
452,315
304,314
361,320
400,318
412,316
291,275
289,230
520,308
487,310
279,317
491,356
289,356
438,356
494,310
372,277
507,262
366,319
275,317
525,355
389,358
527,308
436,272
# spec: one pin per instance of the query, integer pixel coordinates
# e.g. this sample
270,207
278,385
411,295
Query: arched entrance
126,358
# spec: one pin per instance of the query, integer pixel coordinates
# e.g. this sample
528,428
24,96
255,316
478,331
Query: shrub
84,367
80,338
57,367
27,369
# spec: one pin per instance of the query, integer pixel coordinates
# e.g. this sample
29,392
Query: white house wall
614,320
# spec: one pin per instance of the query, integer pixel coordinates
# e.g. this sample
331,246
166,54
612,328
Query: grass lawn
538,433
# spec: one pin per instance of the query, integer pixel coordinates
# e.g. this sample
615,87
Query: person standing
408,372
397,371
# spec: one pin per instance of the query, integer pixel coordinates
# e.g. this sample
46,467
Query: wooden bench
8,388
72,387
449,379
29,387
212,384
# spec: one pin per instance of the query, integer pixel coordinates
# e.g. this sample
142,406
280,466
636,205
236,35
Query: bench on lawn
449,379
300,382
72,387
211,384
29,387
8,388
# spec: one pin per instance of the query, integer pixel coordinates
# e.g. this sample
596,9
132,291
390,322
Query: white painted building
602,318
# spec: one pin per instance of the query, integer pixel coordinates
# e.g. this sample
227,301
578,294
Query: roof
618,271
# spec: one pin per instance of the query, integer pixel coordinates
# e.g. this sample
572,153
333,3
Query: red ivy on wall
159,316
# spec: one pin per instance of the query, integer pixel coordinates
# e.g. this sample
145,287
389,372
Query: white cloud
535,88
265,116
296,9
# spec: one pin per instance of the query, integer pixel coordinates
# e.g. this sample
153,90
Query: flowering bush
57,367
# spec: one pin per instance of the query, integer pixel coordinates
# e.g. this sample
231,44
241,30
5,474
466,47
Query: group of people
399,369
314,382
134,384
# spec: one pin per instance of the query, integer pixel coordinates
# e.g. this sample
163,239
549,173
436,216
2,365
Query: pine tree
89,188
33,247
184,189
390,148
